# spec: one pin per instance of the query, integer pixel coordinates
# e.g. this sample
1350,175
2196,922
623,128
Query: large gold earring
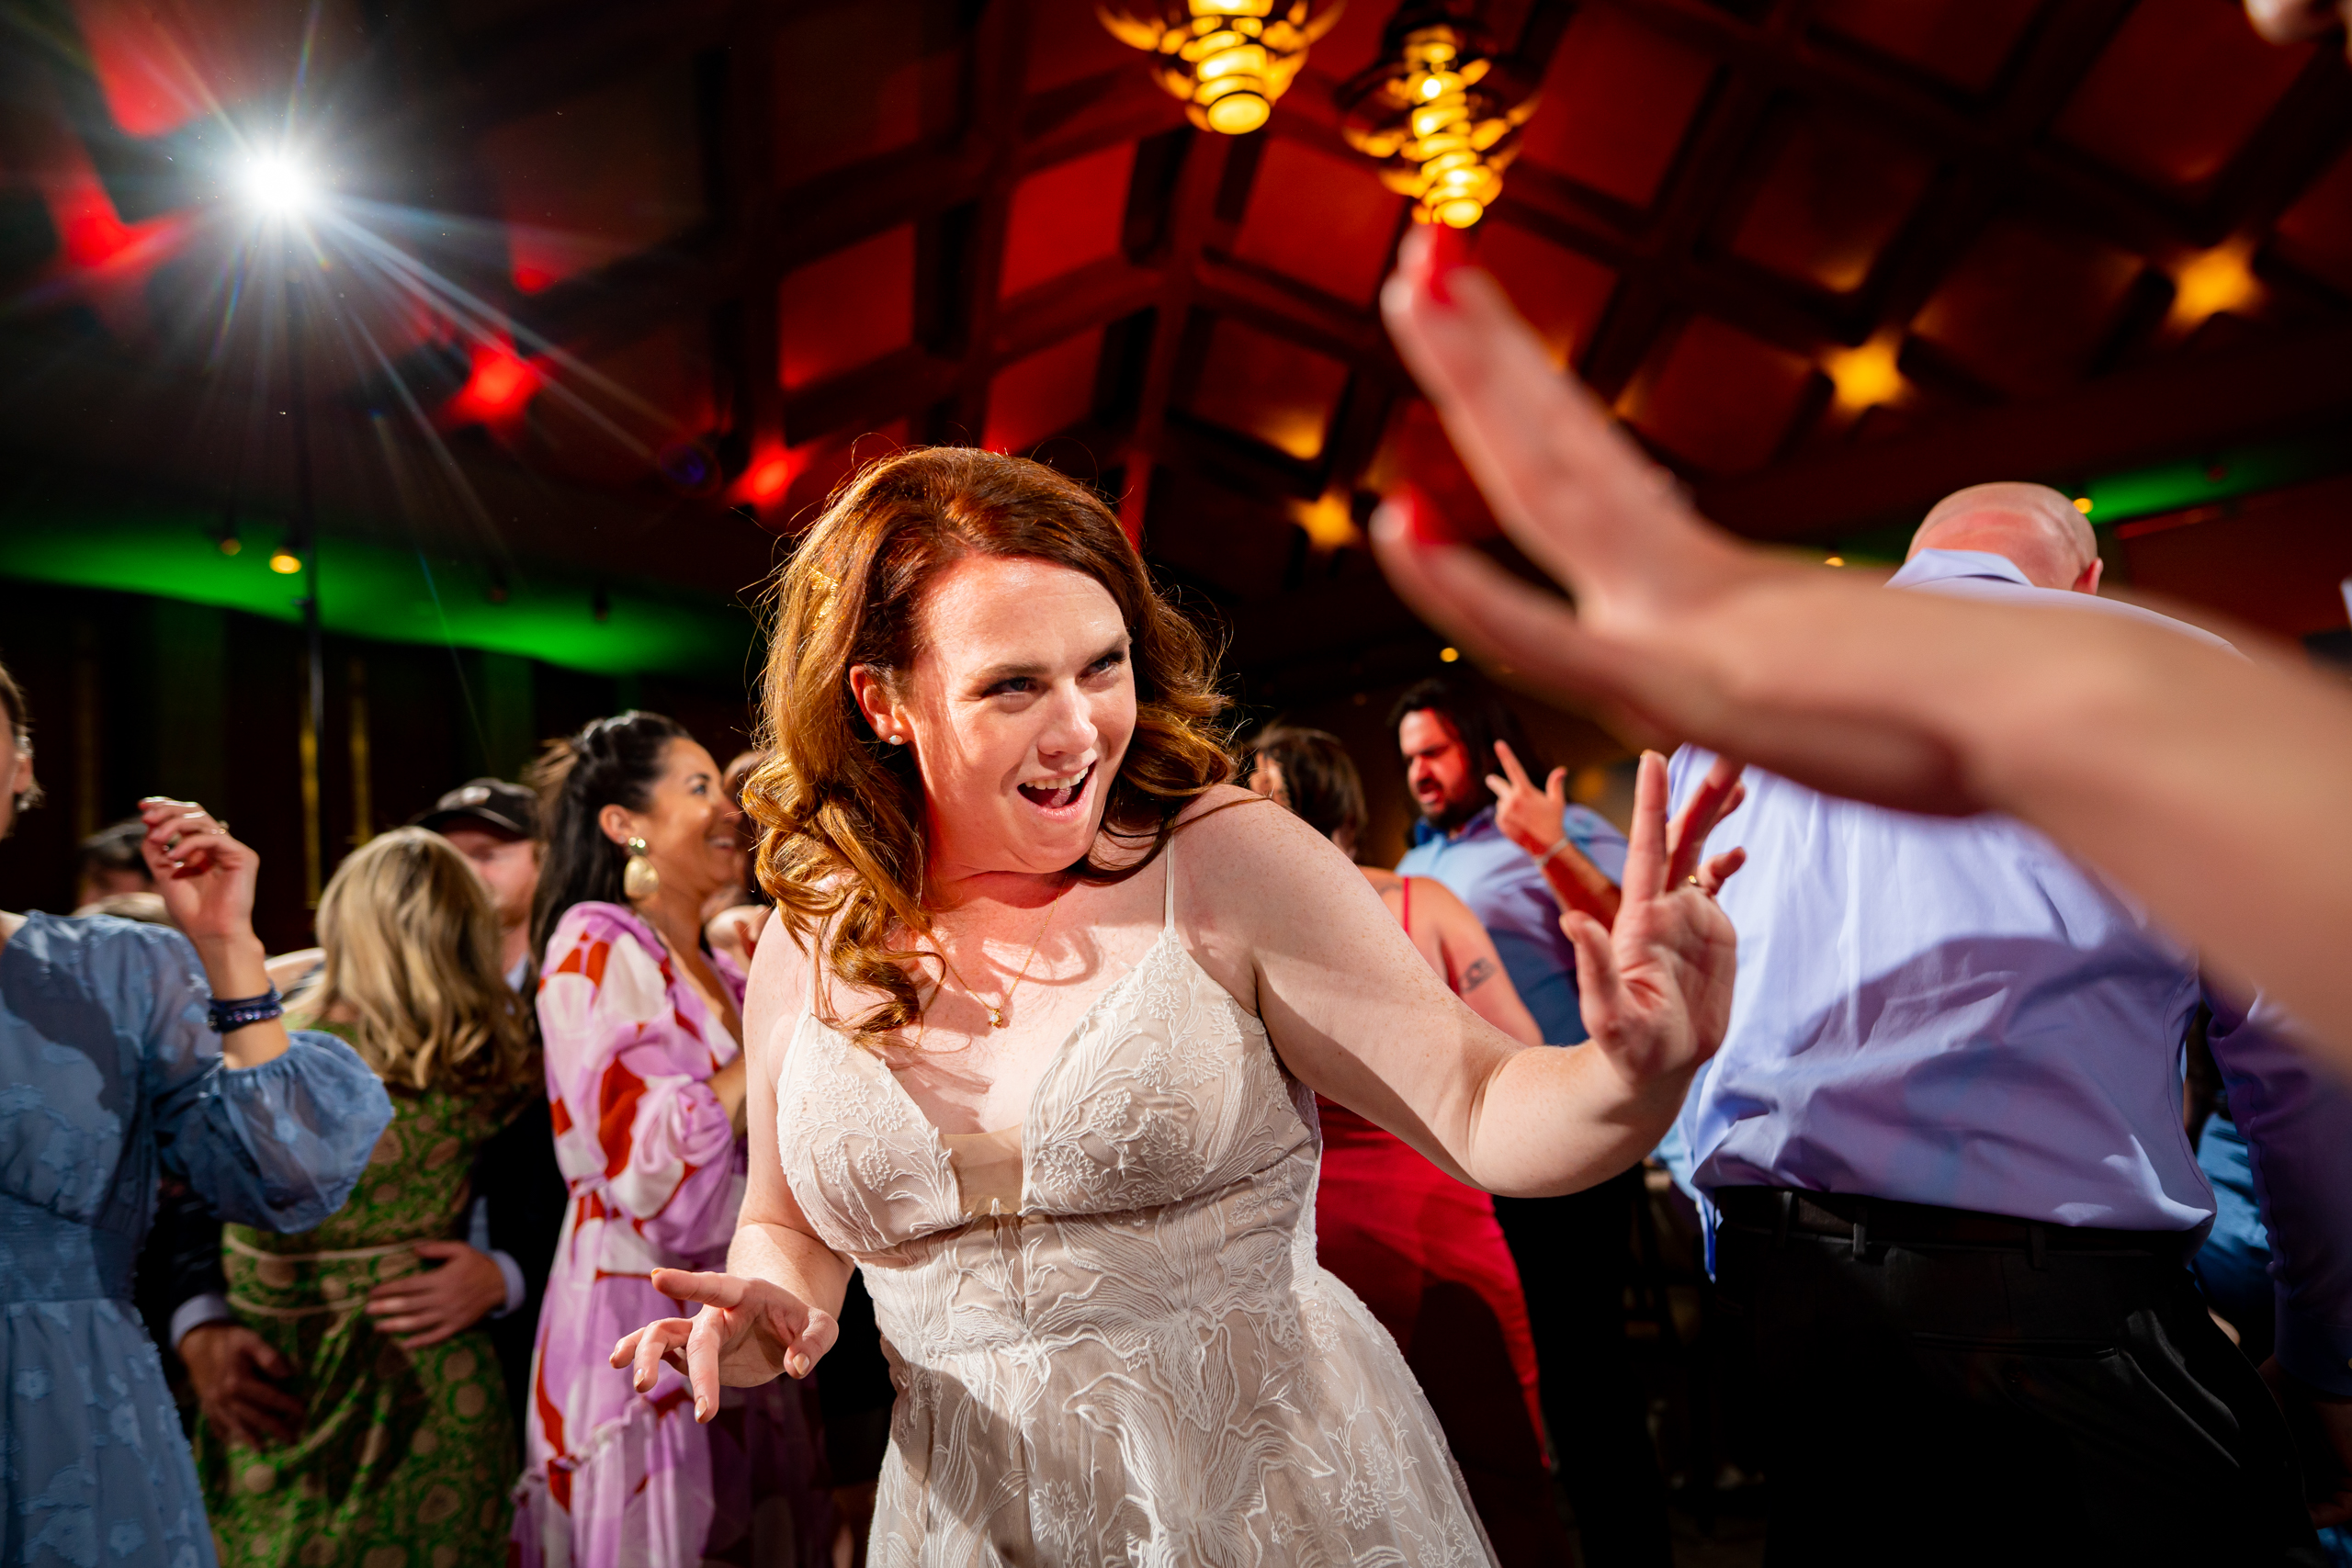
639,878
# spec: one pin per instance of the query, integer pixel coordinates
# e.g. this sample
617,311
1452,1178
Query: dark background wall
132,695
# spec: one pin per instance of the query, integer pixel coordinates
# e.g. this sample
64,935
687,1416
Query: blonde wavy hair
845,847
411,940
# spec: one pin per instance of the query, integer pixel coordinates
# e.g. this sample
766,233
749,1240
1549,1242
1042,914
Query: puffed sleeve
279,1145
634,1110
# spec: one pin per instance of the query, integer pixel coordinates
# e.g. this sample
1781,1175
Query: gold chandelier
1440,113
1228,60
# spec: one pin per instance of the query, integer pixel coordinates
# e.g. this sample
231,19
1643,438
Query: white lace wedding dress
1128,1354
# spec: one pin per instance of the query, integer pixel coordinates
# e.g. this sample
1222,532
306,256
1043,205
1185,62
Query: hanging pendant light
1440,113
1228,60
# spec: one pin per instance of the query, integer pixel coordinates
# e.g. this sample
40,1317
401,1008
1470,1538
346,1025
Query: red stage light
531,279
768,479
500,386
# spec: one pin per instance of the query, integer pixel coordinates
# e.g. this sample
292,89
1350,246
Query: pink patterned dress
613,1478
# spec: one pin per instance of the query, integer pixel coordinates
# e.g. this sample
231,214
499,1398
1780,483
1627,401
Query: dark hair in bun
612,762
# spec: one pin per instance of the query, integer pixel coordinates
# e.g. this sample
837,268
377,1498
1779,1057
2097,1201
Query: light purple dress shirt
1945,1010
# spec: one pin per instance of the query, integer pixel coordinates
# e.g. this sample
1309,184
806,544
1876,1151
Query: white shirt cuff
514,1287
194,1313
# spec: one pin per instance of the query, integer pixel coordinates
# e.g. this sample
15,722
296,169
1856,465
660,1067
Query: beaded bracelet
230,1016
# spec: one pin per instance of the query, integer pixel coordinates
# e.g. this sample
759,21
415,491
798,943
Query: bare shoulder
1384,881
1231,838
777,988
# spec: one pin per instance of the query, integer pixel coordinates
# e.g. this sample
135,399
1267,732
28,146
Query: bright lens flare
276,184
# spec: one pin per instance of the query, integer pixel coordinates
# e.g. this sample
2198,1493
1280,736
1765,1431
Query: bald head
2033,527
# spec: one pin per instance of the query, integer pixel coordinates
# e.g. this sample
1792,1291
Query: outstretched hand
1528,817
1656,988
747,1332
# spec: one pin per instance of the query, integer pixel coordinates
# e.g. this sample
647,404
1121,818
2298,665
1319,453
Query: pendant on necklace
996,1018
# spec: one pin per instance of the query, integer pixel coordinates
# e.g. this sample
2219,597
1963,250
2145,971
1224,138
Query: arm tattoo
1481,970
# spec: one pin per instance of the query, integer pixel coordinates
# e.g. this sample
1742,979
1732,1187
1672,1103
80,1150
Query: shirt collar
1941,566
1425,829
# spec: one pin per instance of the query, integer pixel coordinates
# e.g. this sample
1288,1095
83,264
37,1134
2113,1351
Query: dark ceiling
1827,258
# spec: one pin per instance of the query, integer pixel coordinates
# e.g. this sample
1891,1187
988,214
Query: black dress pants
1931,1402
1575,1257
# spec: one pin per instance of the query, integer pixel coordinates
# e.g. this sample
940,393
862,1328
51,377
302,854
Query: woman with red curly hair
1040,1057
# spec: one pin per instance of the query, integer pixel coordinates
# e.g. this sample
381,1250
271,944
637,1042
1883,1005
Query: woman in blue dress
112,1072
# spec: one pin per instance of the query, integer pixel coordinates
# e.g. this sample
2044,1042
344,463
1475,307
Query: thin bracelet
228,1017
1548,855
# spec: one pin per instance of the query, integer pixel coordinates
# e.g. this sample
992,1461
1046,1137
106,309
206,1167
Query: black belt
1887,1222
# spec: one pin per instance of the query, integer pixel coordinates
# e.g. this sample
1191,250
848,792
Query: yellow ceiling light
1228,60
285,562
1329,522
1440,113
2213,281
1866,374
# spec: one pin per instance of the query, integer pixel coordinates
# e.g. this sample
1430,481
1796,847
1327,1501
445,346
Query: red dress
1425,1253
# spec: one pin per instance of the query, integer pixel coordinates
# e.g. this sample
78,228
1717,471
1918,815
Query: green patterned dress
406,1456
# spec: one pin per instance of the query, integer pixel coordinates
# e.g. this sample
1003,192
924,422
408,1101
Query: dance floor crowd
998,1120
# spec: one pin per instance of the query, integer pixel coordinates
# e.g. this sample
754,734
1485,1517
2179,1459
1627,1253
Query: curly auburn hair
843,850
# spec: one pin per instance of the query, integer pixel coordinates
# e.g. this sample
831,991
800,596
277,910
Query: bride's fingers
1716,794
1646,856
624,1350
699,1288
704,1342
652,1346
809,1345
1716,872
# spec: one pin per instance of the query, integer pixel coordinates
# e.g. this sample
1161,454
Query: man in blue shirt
1574,1253
1953,1197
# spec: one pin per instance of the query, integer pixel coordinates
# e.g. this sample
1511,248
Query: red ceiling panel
606,175
1322,219
1067,44
656,389
1965,42
816,474
1043,394
2316,232
1561,292
2277,563
1064,217
848,308
1836,193
2178,90
2025,306
1353,42
1718,398
1268,388
859,78
161,63
1617,103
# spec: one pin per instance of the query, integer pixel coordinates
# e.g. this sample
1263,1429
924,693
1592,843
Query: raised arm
1473,968
1281,918
773,1309
1536,820
2209,786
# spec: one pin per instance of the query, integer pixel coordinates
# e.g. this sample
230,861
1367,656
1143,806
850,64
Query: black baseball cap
508,807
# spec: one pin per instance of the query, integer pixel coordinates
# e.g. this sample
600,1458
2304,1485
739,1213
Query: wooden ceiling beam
2184,405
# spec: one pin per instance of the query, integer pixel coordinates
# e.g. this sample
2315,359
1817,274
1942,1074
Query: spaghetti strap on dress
1138,1360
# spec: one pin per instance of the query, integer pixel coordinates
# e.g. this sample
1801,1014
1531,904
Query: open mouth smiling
1056,796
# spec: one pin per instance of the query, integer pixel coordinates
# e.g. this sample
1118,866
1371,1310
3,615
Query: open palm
747,1332
1656,987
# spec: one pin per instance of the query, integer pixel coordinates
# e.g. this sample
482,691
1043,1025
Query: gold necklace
996,1012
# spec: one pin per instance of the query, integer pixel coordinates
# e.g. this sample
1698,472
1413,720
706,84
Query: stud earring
898,738
640,879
